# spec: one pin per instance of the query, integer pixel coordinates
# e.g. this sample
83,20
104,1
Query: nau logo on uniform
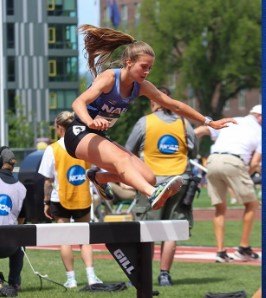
168,144
77,129
5,205
76,175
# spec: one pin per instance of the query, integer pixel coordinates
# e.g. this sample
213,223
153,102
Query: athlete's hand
47,212
222,123
99,123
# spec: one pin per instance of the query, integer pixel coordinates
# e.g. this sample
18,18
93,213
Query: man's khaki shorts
225,171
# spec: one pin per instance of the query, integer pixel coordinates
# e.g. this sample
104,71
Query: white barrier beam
91,233
163,230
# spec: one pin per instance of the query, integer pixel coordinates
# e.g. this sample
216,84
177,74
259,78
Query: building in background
38,59
128,9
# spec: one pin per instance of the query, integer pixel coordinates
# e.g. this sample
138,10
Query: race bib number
111,119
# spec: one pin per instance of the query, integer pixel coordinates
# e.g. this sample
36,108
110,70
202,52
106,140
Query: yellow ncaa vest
165,147
73,187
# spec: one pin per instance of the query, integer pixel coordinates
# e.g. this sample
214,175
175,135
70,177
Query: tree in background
210,48
213,46
21,133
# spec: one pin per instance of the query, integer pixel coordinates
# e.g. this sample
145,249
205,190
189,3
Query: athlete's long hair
100,43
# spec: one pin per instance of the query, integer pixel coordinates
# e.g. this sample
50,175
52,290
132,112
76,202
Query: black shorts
58,210
75,133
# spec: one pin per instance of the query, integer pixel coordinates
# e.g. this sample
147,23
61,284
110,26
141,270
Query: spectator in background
166,142
12,212
236,155
67,198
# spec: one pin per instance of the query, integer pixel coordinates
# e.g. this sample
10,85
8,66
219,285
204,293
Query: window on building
51,35
50,5
10,34
63,69
52,68
11,100
61,100
70,7
10,7
62,8
11,69
52,100
106,17
137,14
227,105
242,99
61,36
52,133
124,16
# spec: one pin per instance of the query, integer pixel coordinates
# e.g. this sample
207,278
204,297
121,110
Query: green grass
191,280
203,235
203,201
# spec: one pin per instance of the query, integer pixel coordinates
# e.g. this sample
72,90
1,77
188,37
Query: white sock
90,271
70,275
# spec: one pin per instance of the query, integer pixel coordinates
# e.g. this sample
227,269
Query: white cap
256,109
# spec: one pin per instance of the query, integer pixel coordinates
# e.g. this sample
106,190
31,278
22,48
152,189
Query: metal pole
196,164
145,270
2,100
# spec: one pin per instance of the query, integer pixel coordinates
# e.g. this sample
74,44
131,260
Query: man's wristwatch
207,120
46,202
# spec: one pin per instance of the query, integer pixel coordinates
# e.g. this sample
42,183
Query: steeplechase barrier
130,243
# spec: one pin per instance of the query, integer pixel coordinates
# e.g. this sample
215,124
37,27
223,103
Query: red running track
183,253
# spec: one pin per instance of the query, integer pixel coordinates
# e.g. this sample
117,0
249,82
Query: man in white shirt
235,156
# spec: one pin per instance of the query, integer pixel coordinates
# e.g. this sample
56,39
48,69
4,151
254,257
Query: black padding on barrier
114,232
22,235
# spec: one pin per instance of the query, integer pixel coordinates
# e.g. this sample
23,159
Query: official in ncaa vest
69,186
166,142
73,187
170,147
67,196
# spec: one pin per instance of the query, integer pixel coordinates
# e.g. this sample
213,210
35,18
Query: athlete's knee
122,161
151,178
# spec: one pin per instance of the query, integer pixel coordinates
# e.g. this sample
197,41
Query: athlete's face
141,68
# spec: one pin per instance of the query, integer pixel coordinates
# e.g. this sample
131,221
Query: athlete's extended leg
125,167
122,166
